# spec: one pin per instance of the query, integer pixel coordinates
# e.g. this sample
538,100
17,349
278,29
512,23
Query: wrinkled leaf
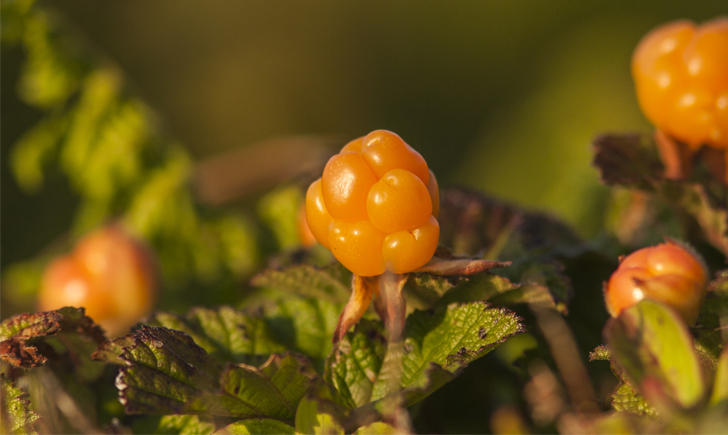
26,339
225,333
257,426
164,372
17,417
273,390
652,345
356,362
437,344
332,284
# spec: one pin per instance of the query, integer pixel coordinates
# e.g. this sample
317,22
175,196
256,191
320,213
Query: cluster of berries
375,206
681,76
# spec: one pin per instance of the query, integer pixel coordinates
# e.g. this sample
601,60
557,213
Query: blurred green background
504,97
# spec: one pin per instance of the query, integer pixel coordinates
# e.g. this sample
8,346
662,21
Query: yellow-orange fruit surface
375,206
680,71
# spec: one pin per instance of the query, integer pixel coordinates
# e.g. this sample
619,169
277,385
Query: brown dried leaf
23,335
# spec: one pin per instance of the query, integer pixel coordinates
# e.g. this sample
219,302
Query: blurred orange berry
681,77
109,273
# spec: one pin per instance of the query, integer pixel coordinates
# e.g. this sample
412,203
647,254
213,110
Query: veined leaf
437,344
304,325
228,334
273,390
164,372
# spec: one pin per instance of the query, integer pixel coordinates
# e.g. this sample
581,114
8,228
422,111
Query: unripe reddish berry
667,273
375,206
109,273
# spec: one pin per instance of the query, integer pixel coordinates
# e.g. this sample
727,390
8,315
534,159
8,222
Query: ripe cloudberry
667,273
375,206
681,77
109,273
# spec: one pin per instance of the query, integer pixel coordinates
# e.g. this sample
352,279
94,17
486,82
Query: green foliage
117,160
626,399
272,367
225,333
437,344
332,284
183,425
652,345
17,417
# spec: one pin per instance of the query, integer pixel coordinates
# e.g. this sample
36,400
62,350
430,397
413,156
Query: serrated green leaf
304,325
184,425
257,426
651,343
274,390
437,344
626,399
451,337
164,372
17,417
355,364
332,284
225,333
